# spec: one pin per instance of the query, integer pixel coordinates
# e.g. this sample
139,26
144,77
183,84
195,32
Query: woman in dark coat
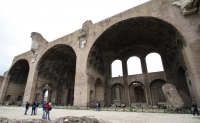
33,108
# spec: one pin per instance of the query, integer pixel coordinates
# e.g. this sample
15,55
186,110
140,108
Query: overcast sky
52,18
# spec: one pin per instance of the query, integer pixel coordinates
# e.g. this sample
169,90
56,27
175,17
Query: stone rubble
66,119
172,96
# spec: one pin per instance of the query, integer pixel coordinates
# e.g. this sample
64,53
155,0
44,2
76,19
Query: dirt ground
109,116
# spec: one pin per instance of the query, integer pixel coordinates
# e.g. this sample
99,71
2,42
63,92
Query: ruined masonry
76,69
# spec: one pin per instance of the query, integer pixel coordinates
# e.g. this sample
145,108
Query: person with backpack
48,109
44,110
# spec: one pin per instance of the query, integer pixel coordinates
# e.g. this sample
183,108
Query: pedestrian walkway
110,116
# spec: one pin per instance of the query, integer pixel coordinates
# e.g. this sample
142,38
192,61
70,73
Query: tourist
44,110
48,108
195,109
37,105
33,108
26,108
98,106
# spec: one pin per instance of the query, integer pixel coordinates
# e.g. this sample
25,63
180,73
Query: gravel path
109,116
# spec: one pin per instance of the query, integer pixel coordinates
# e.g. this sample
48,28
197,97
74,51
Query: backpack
50,108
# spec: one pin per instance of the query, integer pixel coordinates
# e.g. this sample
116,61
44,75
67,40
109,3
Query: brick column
81,86
193,74
125,75
4,87
29,93
143,65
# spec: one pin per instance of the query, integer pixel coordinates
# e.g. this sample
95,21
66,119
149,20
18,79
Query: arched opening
45,95
137,94
154,62
56,69
157,94
134,66
137,36
17,82
99,91
183,87
118,94
117,68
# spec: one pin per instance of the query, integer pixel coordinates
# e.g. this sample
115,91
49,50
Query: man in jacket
26,108
194,108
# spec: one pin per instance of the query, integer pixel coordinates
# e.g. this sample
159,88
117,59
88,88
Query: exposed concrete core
76,69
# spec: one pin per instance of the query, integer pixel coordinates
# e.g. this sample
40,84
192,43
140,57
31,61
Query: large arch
137,36
18,75
56,73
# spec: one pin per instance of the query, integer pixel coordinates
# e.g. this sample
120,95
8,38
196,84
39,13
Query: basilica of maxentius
77,69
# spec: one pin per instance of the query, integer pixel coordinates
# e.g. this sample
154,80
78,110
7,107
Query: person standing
48,108
195,109
26,108
37,105
33,108
44,110
99,105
